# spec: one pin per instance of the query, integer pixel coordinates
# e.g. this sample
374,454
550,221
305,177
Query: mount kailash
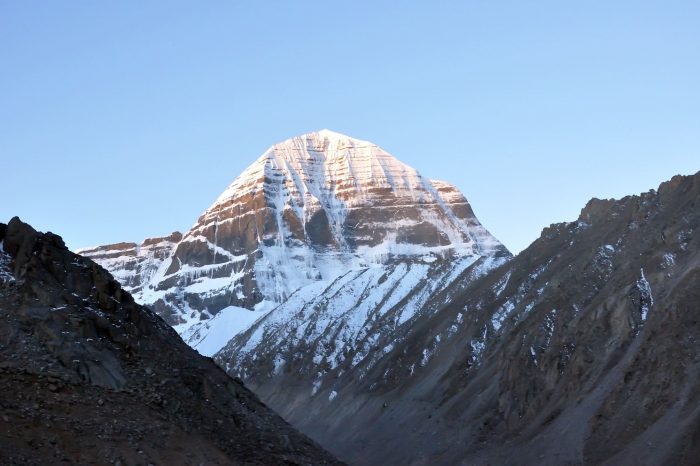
317,212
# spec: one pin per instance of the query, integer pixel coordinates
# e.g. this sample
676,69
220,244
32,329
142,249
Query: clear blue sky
122,120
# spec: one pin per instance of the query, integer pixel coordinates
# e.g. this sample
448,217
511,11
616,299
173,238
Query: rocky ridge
583,349
87,376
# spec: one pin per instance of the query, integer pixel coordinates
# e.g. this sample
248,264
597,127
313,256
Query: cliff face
87,376
583,349
309,210
134,265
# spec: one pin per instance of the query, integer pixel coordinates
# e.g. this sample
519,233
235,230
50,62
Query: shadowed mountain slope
583,349
87,376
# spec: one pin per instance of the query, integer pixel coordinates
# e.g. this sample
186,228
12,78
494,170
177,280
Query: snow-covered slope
210,335
328,328
308,211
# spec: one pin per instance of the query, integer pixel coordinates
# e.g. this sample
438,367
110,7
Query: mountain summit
308,210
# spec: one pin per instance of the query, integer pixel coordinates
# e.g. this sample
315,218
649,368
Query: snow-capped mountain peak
308,210
326,160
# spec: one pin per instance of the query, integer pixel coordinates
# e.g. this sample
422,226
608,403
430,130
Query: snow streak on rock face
309,210
6,275
645,297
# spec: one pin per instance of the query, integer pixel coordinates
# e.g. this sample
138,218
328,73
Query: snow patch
534,356
645,296
669,260
209,336
316,385
500,316
502,283
6,275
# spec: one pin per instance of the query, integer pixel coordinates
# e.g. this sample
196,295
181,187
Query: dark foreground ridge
87,376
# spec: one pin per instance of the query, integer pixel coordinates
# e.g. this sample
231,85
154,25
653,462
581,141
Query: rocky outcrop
583,349
87,376
134,265
306,212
